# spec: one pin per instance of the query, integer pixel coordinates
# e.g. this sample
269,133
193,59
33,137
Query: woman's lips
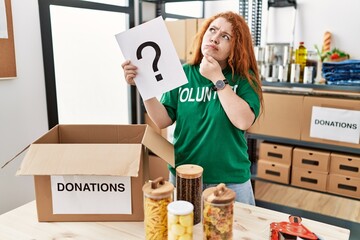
212,47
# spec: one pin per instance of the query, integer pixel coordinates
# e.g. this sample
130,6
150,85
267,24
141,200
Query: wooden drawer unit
311,159
343,164
275,153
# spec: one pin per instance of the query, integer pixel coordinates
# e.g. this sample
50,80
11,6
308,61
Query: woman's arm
236,108
156,111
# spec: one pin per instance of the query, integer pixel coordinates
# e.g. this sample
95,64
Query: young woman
221,100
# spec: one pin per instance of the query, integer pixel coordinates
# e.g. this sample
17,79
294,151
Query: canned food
308,74
283,73
295,73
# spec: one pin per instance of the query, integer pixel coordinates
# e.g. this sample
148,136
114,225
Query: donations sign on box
335,124
91,194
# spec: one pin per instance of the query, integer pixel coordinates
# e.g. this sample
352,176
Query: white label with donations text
91,194
335,124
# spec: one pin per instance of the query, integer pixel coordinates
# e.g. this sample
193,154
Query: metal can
308,74
283,73
275,73
295,73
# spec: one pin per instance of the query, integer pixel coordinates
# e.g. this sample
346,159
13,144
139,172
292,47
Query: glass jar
157,196
218,212
189,187
180,220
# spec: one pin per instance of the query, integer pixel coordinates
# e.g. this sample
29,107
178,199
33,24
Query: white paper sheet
335,124
91,195
3,21
149,47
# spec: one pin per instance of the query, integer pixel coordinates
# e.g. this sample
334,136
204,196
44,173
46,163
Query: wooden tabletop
250,223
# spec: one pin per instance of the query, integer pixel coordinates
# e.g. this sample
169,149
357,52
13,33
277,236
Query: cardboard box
311,159
281,117
276,172
344,164
191,30
88,152
158,168
309,179
309,102
275,153
343,185
177,31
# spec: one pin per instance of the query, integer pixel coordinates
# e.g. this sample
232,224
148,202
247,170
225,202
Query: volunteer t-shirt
203,133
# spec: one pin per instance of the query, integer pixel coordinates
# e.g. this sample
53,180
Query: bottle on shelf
300,58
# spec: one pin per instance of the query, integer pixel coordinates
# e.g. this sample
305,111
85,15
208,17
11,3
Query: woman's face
217,41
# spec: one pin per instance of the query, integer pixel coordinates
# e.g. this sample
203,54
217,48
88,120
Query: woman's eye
212,29
226,37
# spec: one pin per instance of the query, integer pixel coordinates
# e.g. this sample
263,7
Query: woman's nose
215,40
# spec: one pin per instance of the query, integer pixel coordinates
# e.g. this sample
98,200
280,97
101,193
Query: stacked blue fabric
342,73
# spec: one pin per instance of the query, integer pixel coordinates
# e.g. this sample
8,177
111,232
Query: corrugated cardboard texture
158,168
177,31
93,150
311,159
309,102
343,185
281,116
276,172
344,164
309,179
276,153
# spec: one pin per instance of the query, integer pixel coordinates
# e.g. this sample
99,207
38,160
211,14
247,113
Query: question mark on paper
156,59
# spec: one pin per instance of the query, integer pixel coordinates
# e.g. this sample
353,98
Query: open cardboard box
93,172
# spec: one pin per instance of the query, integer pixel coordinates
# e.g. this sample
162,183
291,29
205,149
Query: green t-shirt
203,133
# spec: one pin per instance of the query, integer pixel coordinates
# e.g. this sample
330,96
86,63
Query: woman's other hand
129,72
211,69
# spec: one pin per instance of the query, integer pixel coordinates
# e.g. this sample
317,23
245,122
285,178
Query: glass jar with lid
180,220
218,212
189,187
157,196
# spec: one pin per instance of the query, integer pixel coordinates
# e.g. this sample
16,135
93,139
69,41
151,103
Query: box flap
159,145
82,159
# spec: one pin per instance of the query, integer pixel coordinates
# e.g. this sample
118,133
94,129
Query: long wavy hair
242,58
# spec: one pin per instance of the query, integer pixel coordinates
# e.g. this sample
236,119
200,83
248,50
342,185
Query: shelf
334,148
313,86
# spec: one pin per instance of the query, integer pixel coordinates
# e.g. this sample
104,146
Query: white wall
23,114
341,18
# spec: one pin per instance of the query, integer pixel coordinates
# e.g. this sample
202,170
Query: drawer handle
269,172
310,162
276,155
309,180
347,187
349,168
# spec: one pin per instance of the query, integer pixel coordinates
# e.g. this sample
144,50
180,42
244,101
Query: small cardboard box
347,165
306,178
311,159
177,31
326,102
343,185
276,172
282,117
75,165
158,168
275,153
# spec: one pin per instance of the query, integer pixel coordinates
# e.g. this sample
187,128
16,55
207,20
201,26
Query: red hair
242,58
